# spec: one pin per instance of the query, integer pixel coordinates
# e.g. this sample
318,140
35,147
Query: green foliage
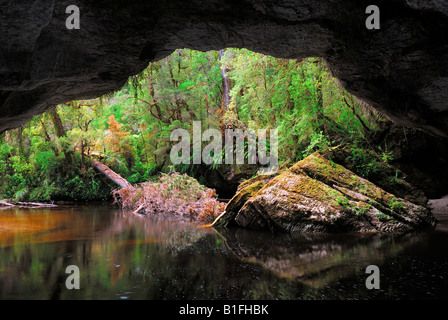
357,209
364,162
383,217
298,97
180,186
386,156
395,204
40,170
130,129
83,188
318,142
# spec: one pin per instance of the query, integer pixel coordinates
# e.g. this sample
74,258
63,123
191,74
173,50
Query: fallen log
113,176
21,204
35,204
3,203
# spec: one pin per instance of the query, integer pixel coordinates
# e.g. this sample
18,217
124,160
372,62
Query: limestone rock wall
400,69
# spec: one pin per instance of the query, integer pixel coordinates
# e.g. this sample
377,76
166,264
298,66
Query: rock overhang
400,69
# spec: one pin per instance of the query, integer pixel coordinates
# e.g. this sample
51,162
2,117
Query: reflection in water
315,259
122,256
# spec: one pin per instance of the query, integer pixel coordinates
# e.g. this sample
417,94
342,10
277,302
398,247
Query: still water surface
122,256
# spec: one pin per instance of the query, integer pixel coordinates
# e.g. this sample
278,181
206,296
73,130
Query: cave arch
401,69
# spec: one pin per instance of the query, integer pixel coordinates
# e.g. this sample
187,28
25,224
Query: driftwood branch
139,208
5,204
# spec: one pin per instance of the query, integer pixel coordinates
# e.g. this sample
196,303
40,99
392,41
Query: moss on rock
245,191
318,195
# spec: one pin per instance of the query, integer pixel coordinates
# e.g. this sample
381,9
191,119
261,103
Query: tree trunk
60,132
113,176
225,93
225,85
20,137
352,108
48,138
57,122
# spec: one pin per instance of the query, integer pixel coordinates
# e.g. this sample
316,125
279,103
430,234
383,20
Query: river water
122,256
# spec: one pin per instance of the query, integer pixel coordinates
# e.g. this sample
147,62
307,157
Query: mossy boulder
319,195
245,191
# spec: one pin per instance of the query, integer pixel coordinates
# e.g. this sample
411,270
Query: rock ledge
317,195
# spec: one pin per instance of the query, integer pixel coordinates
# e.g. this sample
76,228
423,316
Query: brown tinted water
122,256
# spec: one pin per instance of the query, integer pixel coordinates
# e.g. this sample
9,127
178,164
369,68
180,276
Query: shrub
395,204
364,162
173,194
318,142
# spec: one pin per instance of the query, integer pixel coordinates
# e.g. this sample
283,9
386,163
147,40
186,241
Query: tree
62,135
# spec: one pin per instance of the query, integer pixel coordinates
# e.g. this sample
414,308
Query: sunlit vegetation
48,158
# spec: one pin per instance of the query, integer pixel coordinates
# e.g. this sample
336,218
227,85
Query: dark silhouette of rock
316,260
